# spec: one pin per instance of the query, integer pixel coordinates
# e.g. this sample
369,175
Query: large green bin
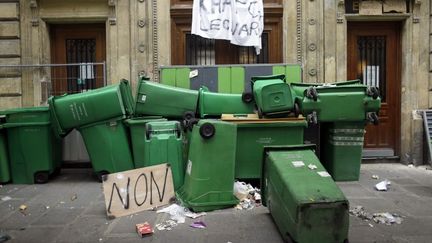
209,178
164,100
342,146
306,204
215,104
34,151
339,103
4,160
108,146
272,96
137,129
252,136
76,110
164,144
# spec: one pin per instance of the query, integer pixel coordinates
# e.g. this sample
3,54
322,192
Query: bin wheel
41,177
311,93
247,97
375,118
373,92
100,175
188,115
207,130
296,109
148,131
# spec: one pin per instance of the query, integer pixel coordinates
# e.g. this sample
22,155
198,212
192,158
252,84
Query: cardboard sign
136,190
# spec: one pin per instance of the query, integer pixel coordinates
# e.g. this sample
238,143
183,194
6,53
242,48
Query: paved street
71,208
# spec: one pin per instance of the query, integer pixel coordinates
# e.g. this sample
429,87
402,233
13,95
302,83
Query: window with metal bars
202,51
82,77
372,62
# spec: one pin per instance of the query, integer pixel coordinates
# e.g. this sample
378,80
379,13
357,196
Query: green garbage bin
4,160
306,204
164,144
342,147
252,136
34,151
209,177
75,110
107,144
164,100
137,130
273,96
215,104
339,103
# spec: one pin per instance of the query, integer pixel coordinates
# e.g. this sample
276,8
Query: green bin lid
143,120
25,124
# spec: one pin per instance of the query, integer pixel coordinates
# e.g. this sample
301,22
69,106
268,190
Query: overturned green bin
215,104
108,146
76,110
34,151
164,100
4,160
209,177
342,147
273,96
306,204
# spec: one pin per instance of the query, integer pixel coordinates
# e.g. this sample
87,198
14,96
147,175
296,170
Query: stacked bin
215,104
342,147
209,177
163,100
76,110
98,115
34,151
306,204
4,160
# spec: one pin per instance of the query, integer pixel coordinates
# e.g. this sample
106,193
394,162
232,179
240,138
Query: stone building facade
139,36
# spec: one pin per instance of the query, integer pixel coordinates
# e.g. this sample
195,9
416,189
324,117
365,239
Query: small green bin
4,160
137,129
76,110
164,100
252,136
272,96
108,146
306,204
209,177
164,144
34,151
215,104
342,147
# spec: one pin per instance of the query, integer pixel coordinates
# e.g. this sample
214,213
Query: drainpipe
155,42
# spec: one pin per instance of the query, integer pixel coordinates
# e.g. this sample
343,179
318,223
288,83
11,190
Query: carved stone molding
112,19
34,13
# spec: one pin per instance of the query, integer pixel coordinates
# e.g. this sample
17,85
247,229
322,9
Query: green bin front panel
76,110
108,146
164,100
215,104
306,205
252,137
342,147
137,129
4,160
209,177
164,144
32,148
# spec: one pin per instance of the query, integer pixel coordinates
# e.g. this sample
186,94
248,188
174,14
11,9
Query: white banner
239,21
